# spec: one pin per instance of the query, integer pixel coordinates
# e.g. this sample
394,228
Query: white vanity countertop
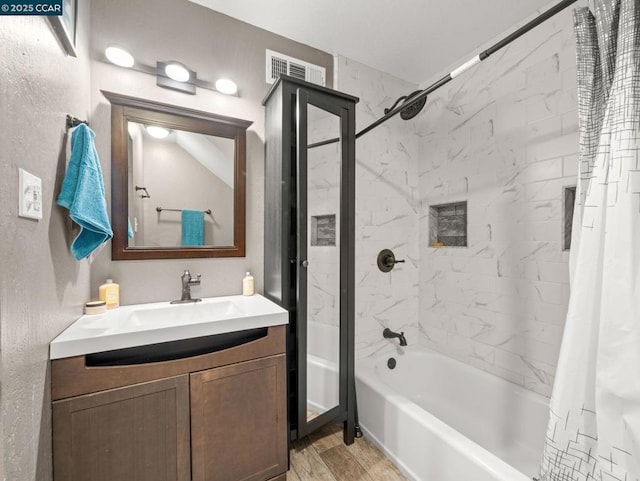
143,324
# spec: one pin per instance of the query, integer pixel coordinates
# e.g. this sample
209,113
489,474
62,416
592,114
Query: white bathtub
441,420
322,384
322,366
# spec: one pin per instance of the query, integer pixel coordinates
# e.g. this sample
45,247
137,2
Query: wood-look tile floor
322,456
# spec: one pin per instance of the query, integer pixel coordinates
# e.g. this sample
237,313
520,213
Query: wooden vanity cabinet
214,417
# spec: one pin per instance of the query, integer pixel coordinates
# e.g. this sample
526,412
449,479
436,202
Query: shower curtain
594,425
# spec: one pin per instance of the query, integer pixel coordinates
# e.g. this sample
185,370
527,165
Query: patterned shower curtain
594,425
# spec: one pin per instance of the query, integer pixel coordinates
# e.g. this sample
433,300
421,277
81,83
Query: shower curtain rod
543,17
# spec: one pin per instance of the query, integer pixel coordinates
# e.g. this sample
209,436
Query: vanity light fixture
157,132
119,56
226,86
174,75
176,71
170,74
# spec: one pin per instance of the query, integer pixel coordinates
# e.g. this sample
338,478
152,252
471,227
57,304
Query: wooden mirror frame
125,109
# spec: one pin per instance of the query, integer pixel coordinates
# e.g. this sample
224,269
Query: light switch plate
29,195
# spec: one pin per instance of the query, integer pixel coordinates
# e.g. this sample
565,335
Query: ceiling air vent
278,63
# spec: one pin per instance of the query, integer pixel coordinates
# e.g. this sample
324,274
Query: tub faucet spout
389,334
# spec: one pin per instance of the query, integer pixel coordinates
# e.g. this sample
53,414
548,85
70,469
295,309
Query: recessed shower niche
568,201
323,230
448,225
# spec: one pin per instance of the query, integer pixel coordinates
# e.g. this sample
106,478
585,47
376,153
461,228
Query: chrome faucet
187,282
389,334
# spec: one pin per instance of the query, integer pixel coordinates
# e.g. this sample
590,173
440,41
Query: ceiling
412,39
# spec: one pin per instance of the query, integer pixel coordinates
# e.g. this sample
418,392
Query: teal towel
192,228
83,194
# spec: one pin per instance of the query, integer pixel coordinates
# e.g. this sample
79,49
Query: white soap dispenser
247,285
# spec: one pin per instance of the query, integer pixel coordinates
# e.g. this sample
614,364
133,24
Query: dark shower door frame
345,411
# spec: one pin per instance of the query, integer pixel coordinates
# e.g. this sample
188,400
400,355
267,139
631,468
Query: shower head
412,110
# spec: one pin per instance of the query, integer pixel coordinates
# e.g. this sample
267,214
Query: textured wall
504,138
386,209
213,45
42,288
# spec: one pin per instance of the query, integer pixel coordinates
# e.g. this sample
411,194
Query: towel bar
160,209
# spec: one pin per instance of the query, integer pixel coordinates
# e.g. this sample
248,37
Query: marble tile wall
387,206
502,137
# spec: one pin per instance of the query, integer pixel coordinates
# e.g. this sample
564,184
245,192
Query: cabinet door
134,433
238,421
325,199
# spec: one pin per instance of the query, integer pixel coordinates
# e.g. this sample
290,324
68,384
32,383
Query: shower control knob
387,260
304,263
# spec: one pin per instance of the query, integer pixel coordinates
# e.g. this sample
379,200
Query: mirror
205,163
177,181
324,241
323,182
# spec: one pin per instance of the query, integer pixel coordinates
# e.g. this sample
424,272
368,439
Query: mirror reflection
181,188
177,181
323,272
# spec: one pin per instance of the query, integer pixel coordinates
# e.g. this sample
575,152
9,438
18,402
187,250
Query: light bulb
119,56
176,71
226,86
157,132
